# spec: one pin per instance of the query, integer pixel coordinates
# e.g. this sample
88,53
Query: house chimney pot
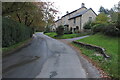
58,17
83,5
67,12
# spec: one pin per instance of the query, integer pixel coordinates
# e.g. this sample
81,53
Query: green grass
65,36
89,53
111,46
7,49
51,34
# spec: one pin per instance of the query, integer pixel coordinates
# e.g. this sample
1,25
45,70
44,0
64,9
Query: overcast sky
70,5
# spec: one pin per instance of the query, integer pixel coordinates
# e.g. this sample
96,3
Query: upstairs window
90,18
74,20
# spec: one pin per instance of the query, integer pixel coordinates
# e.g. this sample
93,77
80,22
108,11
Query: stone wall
97,48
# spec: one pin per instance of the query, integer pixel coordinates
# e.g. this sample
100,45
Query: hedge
14,32
98,28
107,29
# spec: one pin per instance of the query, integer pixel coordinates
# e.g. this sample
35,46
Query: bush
88,25
60,30
118,21
98,28
107,29
102,18
13,32
68,32
111,30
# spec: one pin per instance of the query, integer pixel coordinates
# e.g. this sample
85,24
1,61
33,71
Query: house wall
71,22
74,25
80,21
77,22
85,17
66,19
62,20
58,23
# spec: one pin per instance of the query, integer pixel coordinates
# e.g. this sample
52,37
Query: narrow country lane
46,57
77,38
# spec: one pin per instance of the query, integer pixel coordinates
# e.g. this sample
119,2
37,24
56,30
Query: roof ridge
73,11
79,14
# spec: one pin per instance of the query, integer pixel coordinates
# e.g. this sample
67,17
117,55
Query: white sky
71,5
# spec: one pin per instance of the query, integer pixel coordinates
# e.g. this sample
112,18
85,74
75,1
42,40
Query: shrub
88,25
13,32
60,30
118,21
98,28
111,30
68,32
102,18
107,29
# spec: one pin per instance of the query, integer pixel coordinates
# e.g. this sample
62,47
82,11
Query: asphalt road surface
46,57
73,39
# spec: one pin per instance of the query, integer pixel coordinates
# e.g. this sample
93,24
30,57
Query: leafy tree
30,13
103,10
115,15
109,23
102,18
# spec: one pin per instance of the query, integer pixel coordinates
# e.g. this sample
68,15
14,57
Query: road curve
47,58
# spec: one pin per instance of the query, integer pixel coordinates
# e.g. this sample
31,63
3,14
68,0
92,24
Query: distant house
76,19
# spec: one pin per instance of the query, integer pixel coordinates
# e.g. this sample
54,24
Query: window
90,18
74,20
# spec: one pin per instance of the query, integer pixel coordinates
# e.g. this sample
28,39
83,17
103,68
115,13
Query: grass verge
51,34
111,45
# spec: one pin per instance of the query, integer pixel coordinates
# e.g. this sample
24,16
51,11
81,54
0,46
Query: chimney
82,5
67,12
58,17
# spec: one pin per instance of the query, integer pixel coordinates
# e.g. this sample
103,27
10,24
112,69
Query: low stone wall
97,48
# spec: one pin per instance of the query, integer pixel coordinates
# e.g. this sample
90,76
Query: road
77,38
46,57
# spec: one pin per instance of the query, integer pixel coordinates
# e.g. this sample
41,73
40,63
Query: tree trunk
30,23
18,17
26,18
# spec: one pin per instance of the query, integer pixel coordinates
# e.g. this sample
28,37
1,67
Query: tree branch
30,23
7,11
26,18
18,17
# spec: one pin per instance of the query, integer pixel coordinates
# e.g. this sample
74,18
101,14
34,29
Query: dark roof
93,11
57,20
73,11
81,13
